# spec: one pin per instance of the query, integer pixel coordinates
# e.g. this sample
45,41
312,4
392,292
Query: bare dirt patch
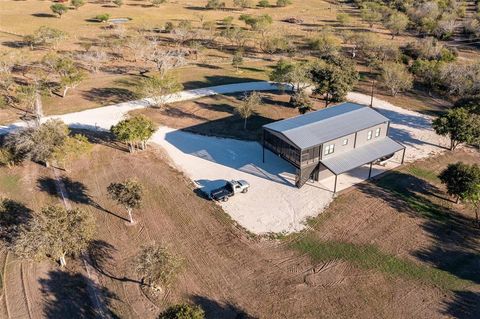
228,273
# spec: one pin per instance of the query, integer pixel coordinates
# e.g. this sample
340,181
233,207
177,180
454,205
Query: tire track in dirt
4,284
24,286
15,292
92,274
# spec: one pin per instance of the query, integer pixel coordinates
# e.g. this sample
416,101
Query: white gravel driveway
273,204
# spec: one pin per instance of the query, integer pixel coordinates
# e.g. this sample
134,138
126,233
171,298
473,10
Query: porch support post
403,155
263,146
335,187
370,170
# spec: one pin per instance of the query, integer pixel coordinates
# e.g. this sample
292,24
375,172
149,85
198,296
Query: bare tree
165,60
248,106
93,59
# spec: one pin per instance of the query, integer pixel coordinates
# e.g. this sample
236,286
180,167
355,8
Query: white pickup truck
228,190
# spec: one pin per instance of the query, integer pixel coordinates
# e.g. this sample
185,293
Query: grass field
115,82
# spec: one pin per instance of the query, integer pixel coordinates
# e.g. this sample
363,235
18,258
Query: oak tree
55,232
128,193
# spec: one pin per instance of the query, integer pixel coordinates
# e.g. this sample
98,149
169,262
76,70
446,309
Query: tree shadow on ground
109,95
69,295
455,248
101,257
232,127
77,192
13,215
455,239
43,15
217,80
464,305
15,44
215,309
101,137
236,153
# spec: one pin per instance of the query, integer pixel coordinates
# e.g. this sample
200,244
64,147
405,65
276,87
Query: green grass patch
370,257
399,184
9,183
423,173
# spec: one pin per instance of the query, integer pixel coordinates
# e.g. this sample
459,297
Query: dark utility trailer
334,140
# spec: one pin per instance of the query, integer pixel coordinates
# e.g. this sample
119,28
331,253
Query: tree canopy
158,88
247,107
157,266
183,311
38,144
463,182
334,76
295,74
128,193
460,125
134,131
55,232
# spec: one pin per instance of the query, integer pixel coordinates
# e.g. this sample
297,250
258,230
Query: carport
367,154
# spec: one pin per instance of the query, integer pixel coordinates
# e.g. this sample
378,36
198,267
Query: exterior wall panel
339,147
363,134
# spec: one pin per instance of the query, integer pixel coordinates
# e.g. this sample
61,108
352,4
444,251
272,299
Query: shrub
283,3
59,9
102,17
215,4
183,311
156,3
264,4
77,3
169,26
118,3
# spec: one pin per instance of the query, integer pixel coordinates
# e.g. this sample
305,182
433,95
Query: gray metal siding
339,147
363,134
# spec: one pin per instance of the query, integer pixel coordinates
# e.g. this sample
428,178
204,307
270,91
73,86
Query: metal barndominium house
331,141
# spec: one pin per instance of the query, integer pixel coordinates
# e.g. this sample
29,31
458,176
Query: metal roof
359,156
318,127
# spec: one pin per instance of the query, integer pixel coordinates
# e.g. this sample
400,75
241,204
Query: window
345,142
377,132
329,149
369,135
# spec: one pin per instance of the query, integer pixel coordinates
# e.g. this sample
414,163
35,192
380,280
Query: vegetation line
370,257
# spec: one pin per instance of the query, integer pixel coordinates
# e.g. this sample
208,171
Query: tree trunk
245,124
452,144
62,260
130,215
457,201
38,108
65,91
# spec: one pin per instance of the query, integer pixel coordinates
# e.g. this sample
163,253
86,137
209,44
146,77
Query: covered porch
359,163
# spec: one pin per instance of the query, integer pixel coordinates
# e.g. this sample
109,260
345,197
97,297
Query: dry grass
228,272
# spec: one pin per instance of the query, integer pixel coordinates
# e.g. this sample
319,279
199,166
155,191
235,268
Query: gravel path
105,117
